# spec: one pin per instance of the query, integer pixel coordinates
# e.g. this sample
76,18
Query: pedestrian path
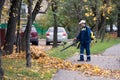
110,59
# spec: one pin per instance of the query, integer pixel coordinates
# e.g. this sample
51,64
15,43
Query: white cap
82,21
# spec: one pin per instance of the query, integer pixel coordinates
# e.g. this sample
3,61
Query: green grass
100,47
96,48
55,52
15,69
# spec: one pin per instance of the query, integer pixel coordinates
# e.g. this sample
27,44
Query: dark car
33,34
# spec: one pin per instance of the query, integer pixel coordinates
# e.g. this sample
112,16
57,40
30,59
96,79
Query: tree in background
117,2
26,37
1,6
28,29
54,9
118,22
96,12
70,13
18,36
1,69
34,14
67,15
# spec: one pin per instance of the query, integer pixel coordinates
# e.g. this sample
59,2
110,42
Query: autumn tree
34,14
118,22
11,27
117,2
18,38
1,69
54,9
28,29
72,11
1,6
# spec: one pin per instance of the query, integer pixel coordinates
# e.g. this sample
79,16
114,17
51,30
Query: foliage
5,12
55,52
44,66
99,47
17,70
69,17
70,12
45,21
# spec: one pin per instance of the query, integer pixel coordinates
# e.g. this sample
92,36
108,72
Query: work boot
80,60
88,59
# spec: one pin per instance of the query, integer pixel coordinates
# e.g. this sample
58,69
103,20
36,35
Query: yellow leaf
84,0
94,19
10,67
5,77
87,14
103,14
107,17
25,78
19,75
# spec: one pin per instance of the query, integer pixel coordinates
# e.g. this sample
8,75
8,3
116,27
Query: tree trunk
111,26
100,23
34,14
96,14
55,31
18,39
1,6
54,9
36,9
10,35
103,29
28,29
96,26
1,69
103,21
118,23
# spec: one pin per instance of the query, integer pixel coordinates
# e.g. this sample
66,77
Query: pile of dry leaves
41,57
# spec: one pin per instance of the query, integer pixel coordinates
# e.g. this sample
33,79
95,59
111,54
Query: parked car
61,35
33,34
114,28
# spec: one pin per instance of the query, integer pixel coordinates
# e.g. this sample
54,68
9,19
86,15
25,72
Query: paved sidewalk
110,59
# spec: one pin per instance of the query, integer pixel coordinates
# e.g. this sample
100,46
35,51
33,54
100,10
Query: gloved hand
74,40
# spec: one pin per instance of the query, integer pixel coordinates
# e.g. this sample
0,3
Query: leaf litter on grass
40,57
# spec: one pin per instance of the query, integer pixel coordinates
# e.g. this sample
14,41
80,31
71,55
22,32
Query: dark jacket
84,35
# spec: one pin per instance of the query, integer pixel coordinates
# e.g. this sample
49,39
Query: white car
114,27
61,35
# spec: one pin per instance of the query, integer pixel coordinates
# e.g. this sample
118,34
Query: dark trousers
85,46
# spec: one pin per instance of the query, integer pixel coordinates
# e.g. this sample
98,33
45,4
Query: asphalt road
110,59
43,42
